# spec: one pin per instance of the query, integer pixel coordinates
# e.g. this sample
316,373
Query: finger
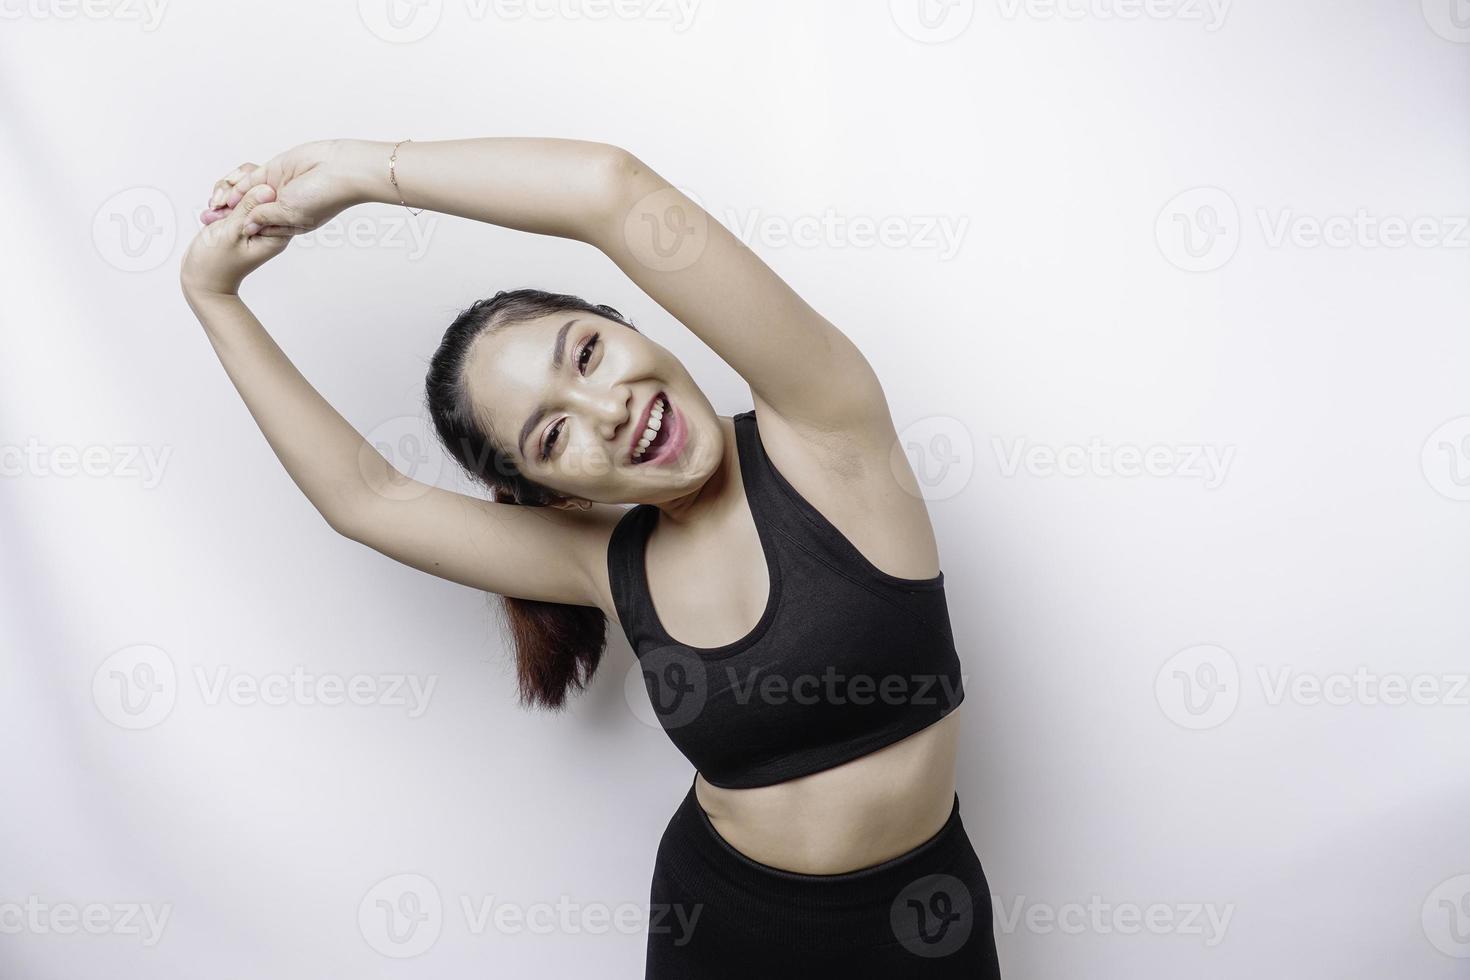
278,231
281,214
221,190
251,178
210,215
240,171
242,214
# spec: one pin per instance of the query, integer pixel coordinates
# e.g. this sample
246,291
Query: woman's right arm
543,185
541,553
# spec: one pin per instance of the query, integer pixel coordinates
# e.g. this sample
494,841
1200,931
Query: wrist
364,166
199,291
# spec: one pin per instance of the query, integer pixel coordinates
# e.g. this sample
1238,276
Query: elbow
340,523
616,167
616,178
347,519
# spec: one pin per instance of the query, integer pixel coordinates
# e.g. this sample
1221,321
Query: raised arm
548,186
532,553
796,362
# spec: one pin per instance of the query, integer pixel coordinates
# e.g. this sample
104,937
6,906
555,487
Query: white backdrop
1168,297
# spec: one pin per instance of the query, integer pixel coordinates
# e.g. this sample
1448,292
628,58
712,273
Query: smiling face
572,396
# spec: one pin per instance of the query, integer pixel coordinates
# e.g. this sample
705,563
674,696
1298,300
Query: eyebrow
558,355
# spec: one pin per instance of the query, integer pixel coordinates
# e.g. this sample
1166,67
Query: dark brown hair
557,645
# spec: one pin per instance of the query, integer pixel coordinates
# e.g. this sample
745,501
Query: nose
606,408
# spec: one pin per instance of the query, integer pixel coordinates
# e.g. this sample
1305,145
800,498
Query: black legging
716,913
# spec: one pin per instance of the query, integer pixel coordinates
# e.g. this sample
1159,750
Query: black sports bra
845,659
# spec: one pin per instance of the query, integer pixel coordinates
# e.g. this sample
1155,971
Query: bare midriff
855,815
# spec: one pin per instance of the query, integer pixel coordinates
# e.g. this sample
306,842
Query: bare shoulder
596,525
858,476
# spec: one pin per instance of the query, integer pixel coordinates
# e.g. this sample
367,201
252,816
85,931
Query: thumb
243,213
277,215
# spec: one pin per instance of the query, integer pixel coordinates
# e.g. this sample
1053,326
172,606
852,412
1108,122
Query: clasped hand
255,210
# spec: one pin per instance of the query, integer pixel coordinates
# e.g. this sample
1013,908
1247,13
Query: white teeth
655,422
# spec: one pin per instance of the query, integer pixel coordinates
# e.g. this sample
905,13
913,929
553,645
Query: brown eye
585,354
550,442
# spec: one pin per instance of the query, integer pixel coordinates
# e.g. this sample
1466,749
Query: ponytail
557,646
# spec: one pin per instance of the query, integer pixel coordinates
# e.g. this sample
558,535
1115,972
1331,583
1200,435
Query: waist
927,899
852,816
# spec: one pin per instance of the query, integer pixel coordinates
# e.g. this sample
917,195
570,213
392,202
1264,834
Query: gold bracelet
393,178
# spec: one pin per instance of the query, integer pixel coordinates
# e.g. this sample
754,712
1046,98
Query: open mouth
655,434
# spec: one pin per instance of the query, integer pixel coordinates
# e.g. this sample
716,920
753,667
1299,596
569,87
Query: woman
799,648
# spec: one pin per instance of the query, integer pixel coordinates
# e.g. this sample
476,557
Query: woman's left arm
795,361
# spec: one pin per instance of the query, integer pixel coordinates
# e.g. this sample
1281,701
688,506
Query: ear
570,503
